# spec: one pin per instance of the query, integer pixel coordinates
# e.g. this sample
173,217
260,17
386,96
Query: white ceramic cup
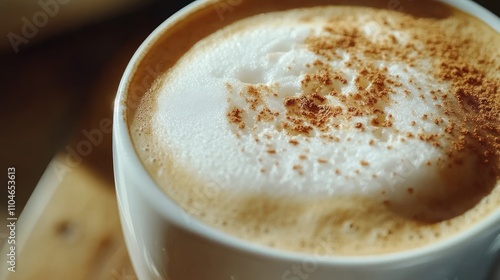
166,243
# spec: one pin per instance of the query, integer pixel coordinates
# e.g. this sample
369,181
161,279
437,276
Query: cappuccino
324,128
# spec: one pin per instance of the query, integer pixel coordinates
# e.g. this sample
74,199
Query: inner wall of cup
151,64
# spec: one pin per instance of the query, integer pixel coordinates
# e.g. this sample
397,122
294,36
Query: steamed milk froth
328,129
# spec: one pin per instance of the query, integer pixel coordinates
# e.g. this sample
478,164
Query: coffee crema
330,129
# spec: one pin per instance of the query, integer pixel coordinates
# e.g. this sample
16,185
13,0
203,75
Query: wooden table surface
57,93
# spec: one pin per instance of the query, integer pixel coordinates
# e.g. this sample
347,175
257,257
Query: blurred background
60,65
53,57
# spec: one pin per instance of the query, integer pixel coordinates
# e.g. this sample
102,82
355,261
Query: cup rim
164,205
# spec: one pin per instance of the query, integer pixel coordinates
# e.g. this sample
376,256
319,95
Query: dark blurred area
492,5
48,81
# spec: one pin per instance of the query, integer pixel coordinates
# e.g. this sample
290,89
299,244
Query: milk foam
191,121
312,122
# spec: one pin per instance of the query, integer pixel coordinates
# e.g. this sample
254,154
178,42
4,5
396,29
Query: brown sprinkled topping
298,169
466,116
235,117
271,151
